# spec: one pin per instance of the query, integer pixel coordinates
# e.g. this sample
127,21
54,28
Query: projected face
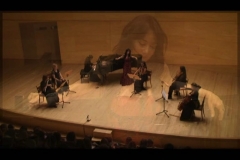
145,46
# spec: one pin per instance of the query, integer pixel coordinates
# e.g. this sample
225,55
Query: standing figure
58,78
193,103
48,91
142,73
125,80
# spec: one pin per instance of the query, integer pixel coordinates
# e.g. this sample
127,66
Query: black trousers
52,99
144,78
138,84
188,110
174,86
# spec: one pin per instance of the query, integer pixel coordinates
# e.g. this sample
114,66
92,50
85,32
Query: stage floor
110,105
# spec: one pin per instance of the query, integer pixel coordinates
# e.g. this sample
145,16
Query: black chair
201,108
183,89
40,95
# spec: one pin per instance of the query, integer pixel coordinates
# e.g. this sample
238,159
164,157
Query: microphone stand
88,120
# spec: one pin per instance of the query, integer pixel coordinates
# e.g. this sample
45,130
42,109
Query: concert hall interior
206,43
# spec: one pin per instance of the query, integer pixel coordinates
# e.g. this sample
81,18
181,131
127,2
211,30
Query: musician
192,103
57,76
50,93
178,81
46,85
127,57
142,73
88,64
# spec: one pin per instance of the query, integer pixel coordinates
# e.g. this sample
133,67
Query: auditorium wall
193,37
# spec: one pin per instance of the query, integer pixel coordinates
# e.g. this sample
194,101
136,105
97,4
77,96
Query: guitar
134,77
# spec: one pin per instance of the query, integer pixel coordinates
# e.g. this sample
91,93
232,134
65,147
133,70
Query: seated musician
47,90
57,77
191,103
142,73
178,81
88,64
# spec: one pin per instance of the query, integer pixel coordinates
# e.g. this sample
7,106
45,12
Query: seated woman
142,73
178,81
48,91
88,64
58,78
192,103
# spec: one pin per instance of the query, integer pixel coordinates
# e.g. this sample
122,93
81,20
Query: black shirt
48,89
88,64
181,78
57,74
194,96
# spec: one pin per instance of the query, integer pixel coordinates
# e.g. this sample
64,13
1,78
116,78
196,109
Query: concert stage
110,106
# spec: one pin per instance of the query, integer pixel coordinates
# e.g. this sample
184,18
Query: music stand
134,77
67,74
62,92
162,94
164,97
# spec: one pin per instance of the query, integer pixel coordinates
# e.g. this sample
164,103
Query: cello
185,100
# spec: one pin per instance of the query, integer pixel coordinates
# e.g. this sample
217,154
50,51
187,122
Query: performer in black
191,104
48,91
142,73
58,78
88,64
179,81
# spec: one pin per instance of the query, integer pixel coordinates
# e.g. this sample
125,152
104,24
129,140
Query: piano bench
84,75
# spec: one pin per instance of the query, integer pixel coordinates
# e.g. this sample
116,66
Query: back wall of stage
193,37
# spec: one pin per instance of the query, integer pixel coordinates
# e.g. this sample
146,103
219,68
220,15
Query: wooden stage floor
110,105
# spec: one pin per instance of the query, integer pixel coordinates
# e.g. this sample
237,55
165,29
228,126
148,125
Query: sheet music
165,95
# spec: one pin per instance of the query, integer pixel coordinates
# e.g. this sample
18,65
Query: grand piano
106,64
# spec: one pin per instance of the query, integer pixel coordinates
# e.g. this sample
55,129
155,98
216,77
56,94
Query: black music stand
162,94
67,74
164,97
61,89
